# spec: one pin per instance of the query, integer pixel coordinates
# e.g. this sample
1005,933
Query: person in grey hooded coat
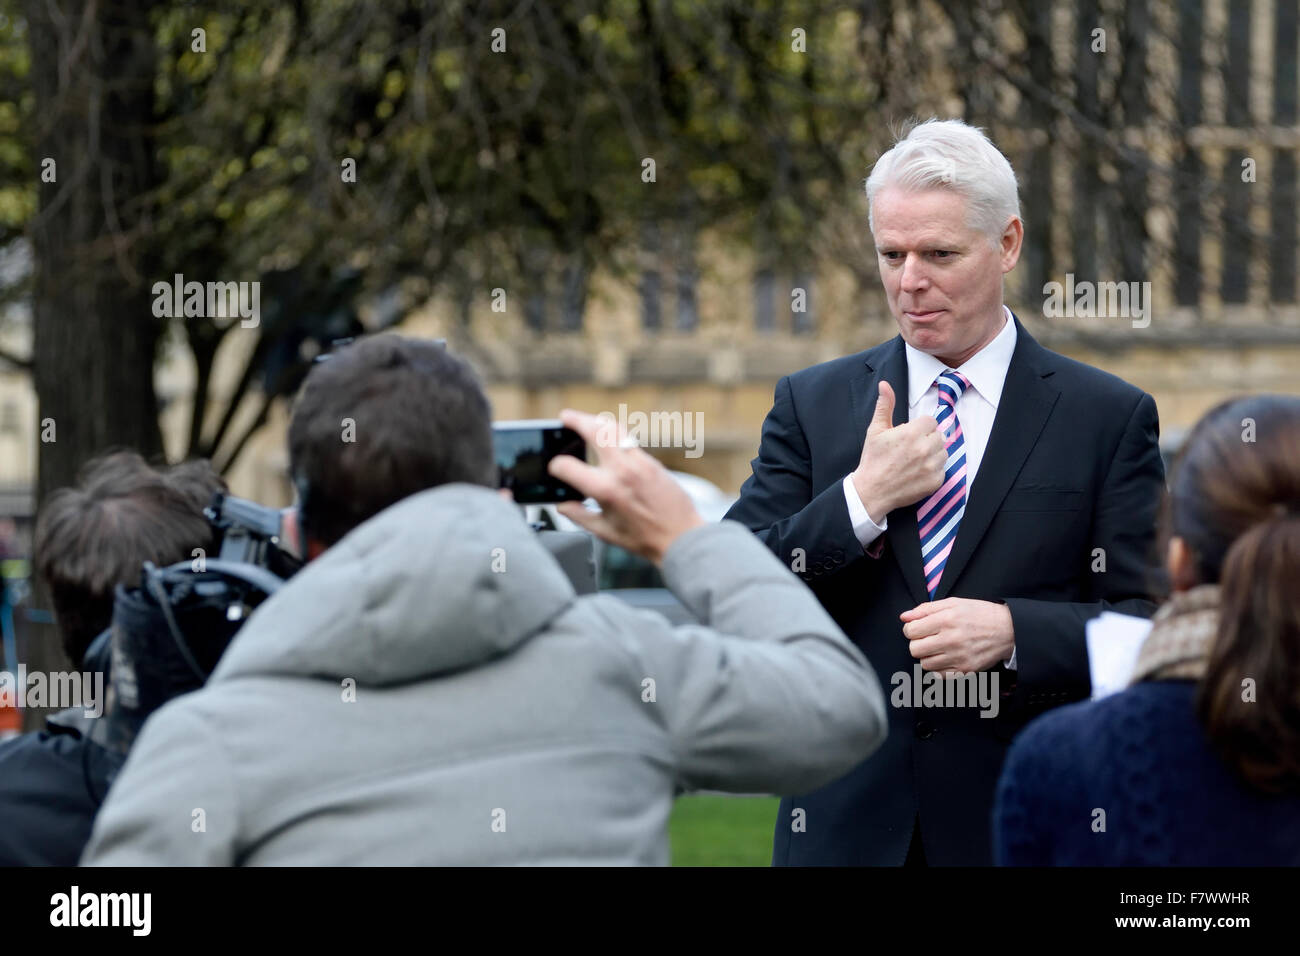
430,690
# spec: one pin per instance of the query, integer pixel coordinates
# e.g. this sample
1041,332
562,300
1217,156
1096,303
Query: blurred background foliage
497,144
504,144
475,167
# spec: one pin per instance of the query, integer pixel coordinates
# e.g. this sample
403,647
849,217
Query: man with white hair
962,501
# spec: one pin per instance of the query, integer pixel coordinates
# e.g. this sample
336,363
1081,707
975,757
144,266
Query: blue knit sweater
1140,757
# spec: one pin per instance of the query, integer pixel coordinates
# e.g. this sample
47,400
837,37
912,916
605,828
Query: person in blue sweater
1197,761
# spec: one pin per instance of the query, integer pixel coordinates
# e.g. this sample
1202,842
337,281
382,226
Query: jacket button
924,730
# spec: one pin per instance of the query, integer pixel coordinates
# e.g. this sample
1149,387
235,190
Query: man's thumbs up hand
883,419
899,466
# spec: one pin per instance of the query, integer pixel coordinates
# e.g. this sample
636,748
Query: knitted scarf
1182,632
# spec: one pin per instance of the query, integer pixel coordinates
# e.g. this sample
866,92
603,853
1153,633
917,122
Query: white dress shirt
986,371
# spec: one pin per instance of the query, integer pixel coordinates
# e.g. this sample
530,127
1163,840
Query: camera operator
91,540
430,690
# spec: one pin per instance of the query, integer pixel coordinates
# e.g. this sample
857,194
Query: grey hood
377,607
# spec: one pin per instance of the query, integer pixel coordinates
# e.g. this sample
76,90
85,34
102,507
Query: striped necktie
939,515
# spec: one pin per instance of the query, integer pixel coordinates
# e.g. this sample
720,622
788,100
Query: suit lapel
1027,401
902,534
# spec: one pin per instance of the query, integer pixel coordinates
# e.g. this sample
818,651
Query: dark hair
1235,501
382,419
122,512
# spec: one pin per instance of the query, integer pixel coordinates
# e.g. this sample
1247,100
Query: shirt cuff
864,528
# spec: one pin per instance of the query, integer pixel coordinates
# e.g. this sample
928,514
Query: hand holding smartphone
643,510
524,450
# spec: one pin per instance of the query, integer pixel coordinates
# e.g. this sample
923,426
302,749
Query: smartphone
524,449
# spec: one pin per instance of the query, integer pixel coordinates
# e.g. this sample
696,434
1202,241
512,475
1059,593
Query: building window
651,318
535,311
764,300
574,305
688,315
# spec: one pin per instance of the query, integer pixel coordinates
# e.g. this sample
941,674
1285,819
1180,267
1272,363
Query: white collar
986,369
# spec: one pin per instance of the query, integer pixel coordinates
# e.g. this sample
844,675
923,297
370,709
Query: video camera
251,534
175,626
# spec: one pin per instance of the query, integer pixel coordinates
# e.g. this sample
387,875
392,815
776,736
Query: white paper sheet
1113,644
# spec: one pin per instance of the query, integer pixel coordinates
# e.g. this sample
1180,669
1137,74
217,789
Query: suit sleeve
811,535
1051,652
173,803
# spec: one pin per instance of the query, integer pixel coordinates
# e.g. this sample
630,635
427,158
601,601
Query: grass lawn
708,830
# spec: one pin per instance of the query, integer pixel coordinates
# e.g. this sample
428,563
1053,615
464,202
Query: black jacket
52,783
1072,465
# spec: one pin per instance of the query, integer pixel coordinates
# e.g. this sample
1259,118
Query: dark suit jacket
1072,466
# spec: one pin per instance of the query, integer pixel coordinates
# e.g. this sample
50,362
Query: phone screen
523,451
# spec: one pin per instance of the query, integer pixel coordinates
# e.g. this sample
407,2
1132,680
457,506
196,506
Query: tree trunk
95,336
